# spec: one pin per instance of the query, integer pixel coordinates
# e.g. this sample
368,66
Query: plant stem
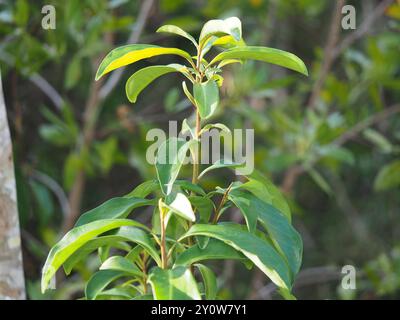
221,204
197,152
163,246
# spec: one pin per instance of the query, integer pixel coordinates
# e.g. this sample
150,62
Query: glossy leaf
113,208
176,30
119,293
204,206
188,186
206,96
131,53
74,240
124,234
142,78
180,205
217,27
170,157
274,56
259,251
284,237
89,247
173,284
221,163
216,250
100,280
209,280
122,264
144,189
264,189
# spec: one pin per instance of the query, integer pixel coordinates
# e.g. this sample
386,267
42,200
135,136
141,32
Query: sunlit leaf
206,96
173,284
274,56
176,30
75,239
131,53
113,208
259,251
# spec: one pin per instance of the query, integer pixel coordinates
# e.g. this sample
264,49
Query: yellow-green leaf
131,53
274,56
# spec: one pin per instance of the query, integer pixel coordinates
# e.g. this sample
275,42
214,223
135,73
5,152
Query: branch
328,56
363,29
362,125
39,81
55,188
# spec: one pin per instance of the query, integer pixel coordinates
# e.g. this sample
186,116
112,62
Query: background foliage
331,141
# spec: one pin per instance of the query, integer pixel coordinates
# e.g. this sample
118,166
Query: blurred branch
294,172
55,188
363,29
328,56
133,38
39,81
362,125
305,278
98,93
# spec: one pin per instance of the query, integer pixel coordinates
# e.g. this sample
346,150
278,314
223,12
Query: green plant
186,228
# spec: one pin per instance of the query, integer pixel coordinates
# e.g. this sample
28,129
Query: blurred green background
330,141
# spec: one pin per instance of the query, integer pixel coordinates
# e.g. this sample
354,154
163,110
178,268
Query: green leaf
134,254
388,176
119,293
204,205
220,126
173,284
188,186
144,189
124,234
274,56
131,53
217,27
89,247
284,237
100,280
187,93
142,78
210,281
259,251
206,96
264,189
113,208
221,163
75,239
186,128
225,62
122,264
176,30
216,250
170,157
180,205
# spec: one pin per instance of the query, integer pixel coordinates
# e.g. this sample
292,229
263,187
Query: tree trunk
12,284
